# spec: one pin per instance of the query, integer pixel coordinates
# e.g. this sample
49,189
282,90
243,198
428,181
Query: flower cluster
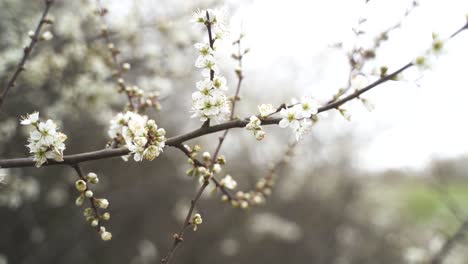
141,136
45,142
201,169
298,115
92,215
210,101
255,126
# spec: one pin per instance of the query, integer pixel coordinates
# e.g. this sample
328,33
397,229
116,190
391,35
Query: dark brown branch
27,51
179,237
177,140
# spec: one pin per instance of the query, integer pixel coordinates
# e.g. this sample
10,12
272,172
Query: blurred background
388,186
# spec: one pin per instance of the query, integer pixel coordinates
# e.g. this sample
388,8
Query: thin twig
80,173
27,51
119,74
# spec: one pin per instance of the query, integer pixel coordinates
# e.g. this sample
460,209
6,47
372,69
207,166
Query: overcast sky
415,120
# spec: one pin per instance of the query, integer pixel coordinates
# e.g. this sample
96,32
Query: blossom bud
197,219
80,185
126,66
161,132
196,148
88,212
151,153
244,204
47,36
106,236
206,155
202,170
89,194
216,168
94,222
259,135
92,178
221,159
79,200
31,34
106,216
102,203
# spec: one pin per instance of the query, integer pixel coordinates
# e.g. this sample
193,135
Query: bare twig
114,51
27,51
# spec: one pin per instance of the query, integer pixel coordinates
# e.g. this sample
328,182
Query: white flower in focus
228,182
44,141
289,118
141,136
204,49
219,82
307,107
209,102
266,109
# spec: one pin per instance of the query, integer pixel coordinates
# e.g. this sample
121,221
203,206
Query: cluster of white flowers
210,101
297,116
45,142
141,136
255,126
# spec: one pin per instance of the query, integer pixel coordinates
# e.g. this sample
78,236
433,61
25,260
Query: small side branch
27,51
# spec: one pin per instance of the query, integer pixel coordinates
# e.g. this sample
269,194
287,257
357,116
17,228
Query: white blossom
141,136
45,142
210,102
30,119
307,107
290,118
228,182
266,109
